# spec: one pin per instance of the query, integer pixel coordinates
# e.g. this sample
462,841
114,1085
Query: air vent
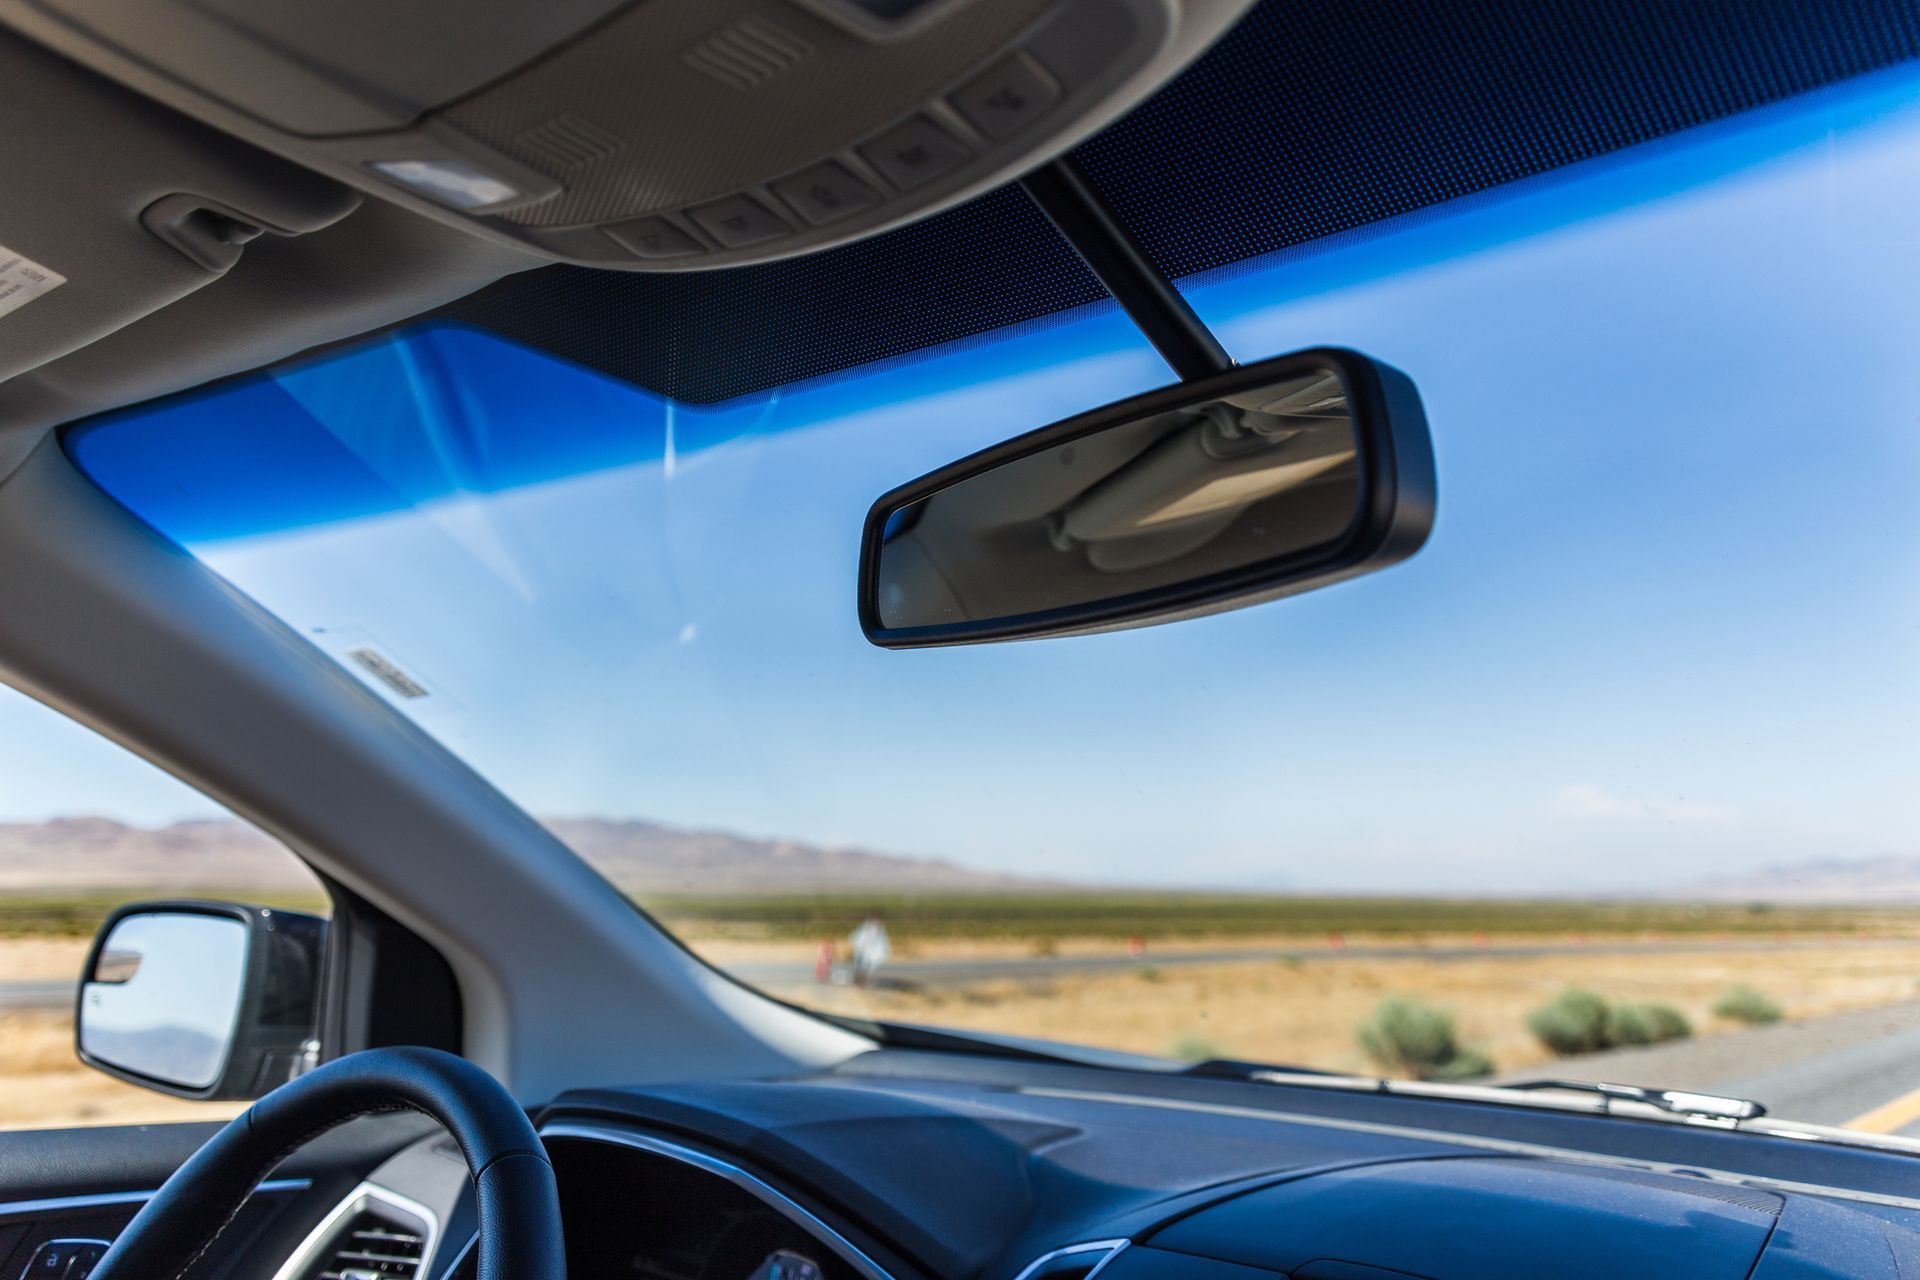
373,1234
1076,1267
1074,1262
373,1247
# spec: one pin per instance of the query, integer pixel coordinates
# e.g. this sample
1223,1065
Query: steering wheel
514,1188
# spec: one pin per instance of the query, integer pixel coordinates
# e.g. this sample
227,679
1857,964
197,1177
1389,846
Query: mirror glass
1198,487
164,995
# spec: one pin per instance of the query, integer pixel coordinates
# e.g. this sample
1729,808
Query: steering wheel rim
515,1193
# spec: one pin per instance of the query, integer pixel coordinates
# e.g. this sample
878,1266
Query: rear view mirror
201,999
1225,491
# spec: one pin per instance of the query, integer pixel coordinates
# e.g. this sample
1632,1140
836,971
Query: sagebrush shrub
1411,1037
1574,1021
1744,1004
1636,1024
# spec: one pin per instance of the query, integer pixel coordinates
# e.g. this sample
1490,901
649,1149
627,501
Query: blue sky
1666,627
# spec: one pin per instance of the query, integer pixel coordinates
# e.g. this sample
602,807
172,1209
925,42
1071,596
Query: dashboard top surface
951,1166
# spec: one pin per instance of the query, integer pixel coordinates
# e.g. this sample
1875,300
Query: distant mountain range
1885,881
644,857
99,853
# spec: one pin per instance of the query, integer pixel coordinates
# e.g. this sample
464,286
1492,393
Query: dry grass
1306,1013
42,1085
1303,1012
37,959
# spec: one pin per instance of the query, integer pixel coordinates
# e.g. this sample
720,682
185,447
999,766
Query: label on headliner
22,280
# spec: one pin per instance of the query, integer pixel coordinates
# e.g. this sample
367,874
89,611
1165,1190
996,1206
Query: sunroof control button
654,238
738,221
1006,97
914,152
824,193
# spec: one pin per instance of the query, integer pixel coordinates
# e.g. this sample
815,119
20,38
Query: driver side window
85,827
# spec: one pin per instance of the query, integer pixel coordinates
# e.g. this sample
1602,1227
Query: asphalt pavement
1860,1069
47,993
954,973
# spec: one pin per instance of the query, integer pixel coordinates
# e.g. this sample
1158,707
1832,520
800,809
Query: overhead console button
738,221
654,238
825,192
915,151
1006,97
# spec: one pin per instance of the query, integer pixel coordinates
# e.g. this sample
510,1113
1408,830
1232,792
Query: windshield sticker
387,673
22,280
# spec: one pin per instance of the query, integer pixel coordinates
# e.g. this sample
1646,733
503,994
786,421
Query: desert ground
1302,1009
1306,1012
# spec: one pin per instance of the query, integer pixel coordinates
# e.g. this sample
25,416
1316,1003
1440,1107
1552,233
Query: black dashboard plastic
1486,1216
921,1165
958,1167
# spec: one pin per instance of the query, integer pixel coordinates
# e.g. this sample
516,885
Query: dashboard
917,1166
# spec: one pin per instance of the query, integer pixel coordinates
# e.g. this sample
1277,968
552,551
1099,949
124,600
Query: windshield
1624,755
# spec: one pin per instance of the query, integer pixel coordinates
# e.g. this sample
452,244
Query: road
49,993
1859,1069
954,973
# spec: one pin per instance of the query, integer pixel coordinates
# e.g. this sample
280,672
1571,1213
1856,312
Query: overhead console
657,135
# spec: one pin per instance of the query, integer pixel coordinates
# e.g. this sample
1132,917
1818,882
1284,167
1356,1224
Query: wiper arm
1680,1102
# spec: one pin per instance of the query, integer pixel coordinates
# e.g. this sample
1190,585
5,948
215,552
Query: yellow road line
1898,1114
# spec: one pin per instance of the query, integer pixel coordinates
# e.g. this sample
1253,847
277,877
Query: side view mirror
1227,490
204,1000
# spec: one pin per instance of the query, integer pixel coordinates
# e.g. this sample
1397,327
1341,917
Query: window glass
86,826
1638,720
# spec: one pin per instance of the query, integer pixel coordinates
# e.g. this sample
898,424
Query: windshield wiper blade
1678,1102
1681,1102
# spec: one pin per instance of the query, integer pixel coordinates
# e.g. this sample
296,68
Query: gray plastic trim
1186,28
563,983
112,1199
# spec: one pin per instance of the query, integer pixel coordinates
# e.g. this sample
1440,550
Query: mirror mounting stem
1088,223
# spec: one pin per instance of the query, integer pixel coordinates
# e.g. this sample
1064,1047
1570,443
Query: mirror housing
203,1000
1220,492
